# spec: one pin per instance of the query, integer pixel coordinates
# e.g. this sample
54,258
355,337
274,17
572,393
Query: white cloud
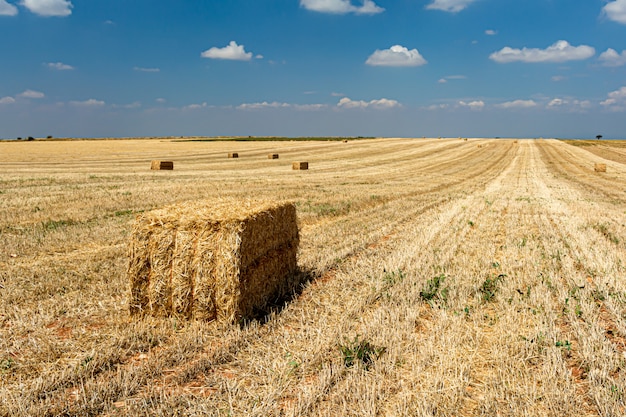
616,100
309,107
491,32
569,104
517,104
7,9
263,105
7,100
195,106
450,5
380,104
611,58
59,66
558,78
49,7
88,103
231,52
141,69
434,107
396,56
616,11
32,94
341,6
160,100
473,105
442,81
451,77
561,51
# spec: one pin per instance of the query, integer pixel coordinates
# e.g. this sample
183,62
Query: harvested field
443,279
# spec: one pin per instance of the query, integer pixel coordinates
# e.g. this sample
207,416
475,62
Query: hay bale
272,156
300,165
599,167
515,141
345,141
233,155
212,260
162,165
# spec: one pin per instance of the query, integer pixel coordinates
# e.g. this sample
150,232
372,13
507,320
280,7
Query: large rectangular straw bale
233,155
300,165
599,167
162,165
212,260
272,156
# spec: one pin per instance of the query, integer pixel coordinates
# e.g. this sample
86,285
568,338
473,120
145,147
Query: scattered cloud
59,66
195,106
517,104
451,77
616,11
309,107
141,69
434,107
341,6
109,22
491,32
160,100
232,52
569,104
263,105
396,56
558,78
334,94
473,105
7,100
452,6
32,94
616,100
561,51
88,103
49,8
380,104
611,58
7,9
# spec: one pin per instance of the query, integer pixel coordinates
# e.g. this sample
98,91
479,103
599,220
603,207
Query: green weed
432,290
489,287
360,351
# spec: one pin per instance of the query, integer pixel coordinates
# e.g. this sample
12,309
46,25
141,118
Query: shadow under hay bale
233,155
300,166
162,165
599,167
212,260
272,156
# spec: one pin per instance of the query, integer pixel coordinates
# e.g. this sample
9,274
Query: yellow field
456,279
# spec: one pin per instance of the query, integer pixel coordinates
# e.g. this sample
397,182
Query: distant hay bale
345,141
212,260
162,165
272,156
515,141
464,139
479,146
300,166
233,155
599,167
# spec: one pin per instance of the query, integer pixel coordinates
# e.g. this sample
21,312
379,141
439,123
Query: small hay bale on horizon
599,167
233,155
300,166
272,156
211,260
162,165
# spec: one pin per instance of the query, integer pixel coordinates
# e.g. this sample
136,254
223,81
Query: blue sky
95,68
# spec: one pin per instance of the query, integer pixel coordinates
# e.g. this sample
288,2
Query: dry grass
464,281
